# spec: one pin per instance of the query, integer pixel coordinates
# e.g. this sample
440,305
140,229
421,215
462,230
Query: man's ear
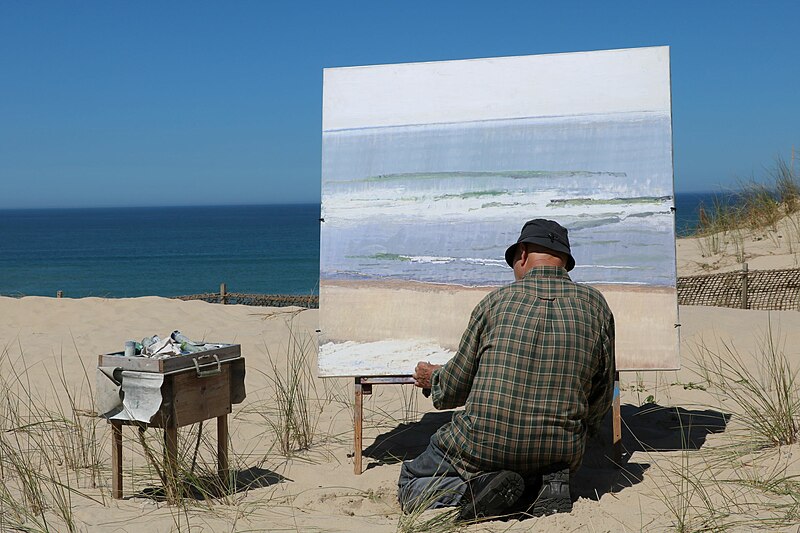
523,253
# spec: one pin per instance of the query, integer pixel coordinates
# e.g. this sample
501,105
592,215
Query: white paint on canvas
379,358
580,83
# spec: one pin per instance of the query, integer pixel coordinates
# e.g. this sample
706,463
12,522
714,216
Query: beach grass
421,520
763,390
753,207
439,521
748,479
45,448
298,406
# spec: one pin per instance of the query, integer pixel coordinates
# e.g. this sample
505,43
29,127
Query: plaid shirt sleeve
451,384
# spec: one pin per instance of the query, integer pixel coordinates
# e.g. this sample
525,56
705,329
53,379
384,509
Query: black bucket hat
546,233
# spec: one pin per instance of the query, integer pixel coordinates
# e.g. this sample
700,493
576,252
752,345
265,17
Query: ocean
161,251
173,251
687,208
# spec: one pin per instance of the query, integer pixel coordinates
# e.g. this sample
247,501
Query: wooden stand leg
222,450
617,422
359,420
171,459
116,460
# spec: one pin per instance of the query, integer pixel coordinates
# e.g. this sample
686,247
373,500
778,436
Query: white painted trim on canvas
579,83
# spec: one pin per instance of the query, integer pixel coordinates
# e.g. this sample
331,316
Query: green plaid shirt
534,372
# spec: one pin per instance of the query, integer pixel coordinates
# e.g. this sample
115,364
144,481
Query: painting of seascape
417,216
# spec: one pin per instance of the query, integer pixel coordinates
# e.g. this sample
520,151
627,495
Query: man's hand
423,373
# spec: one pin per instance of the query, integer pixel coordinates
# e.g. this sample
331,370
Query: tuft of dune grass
754,206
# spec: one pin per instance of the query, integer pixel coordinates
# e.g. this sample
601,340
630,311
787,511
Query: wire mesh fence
310,301
743,289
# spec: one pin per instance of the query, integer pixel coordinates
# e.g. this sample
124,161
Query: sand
679,432
763,249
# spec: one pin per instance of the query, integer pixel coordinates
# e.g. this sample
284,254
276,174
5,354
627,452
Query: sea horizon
165,206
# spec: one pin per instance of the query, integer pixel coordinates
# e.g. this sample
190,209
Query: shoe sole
498,495
554,495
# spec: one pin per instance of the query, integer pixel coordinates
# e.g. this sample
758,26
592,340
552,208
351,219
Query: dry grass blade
787,186
294,393
35,483
192,479
764,391
421,520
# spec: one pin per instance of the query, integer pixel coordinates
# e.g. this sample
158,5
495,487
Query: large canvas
431,169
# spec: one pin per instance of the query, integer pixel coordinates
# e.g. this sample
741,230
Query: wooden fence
743,289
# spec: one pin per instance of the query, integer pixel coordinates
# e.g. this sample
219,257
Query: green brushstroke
381,256
648,214
389,257
467,195
609,201
496,204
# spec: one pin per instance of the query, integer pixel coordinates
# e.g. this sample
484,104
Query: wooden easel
363,387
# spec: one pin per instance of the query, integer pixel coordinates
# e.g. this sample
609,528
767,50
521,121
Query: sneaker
491,494
554,495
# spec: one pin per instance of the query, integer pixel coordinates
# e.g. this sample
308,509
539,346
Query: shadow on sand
406,441
646,428
208,487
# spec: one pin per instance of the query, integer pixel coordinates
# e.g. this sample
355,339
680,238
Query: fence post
744,285
223,294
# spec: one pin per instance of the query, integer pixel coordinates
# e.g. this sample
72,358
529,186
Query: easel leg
222,450
116,460
363,387
359,420
617,420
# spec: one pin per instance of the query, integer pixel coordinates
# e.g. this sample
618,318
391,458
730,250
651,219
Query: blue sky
146,103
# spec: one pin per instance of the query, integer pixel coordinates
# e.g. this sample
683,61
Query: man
535,374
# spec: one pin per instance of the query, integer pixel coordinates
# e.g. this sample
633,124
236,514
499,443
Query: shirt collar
547,272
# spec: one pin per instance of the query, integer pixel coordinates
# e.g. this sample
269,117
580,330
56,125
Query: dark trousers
429,481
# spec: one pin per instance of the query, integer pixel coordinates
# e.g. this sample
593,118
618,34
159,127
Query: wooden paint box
195,387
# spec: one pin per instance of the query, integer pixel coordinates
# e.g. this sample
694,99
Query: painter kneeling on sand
535,374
